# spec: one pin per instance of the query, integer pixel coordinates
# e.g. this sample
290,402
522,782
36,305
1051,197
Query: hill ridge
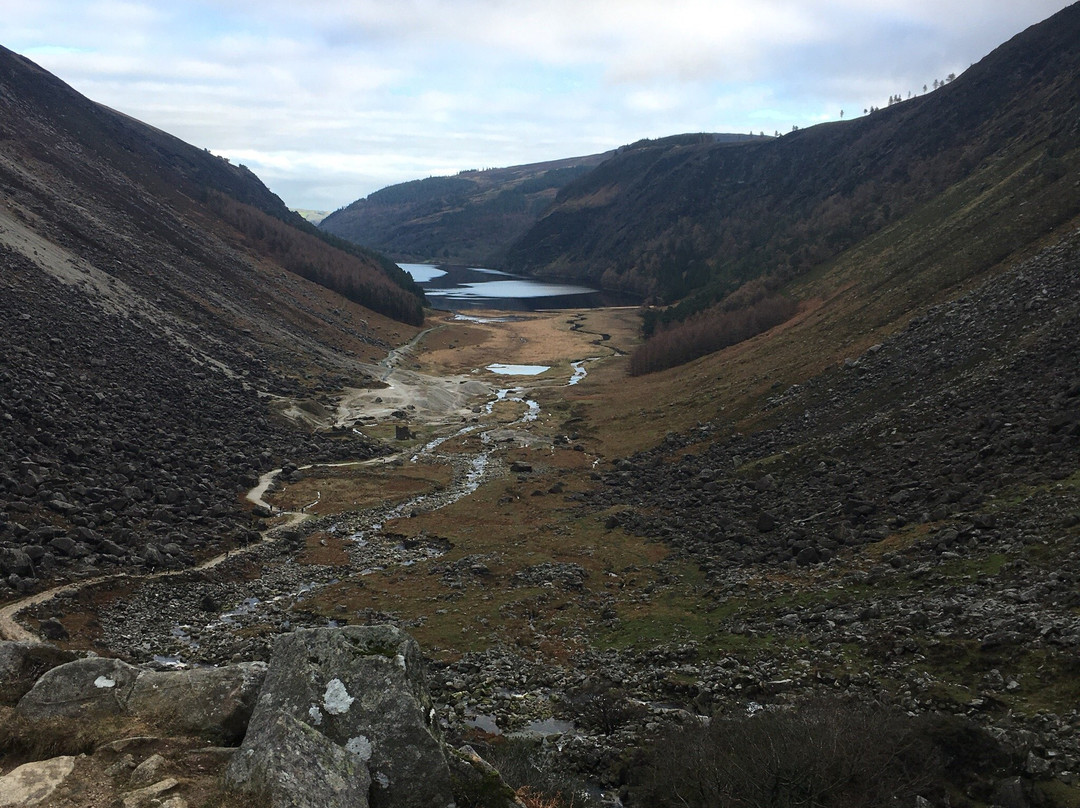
699,220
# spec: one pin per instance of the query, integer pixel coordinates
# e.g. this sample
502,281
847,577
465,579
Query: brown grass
545,338
350,488
23,740
511,529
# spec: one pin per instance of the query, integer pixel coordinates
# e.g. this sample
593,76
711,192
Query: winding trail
11,629
467,478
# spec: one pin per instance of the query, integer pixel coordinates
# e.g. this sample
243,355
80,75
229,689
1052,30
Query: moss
1059,794
475,784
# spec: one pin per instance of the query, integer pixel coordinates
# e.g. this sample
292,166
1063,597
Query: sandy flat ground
530,338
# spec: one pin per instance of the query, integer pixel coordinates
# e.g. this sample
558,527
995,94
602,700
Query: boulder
478,783
22,663
299,767
358,690
53,629
15,561
213,703
33,783
81,688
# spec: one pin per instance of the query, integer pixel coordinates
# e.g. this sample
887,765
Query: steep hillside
153,303
682,220
464,219
46,121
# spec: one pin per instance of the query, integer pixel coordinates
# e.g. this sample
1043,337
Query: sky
330,100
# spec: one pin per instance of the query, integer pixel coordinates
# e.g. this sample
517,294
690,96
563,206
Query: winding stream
368,551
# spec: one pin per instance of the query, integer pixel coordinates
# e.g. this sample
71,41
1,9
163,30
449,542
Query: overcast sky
329,100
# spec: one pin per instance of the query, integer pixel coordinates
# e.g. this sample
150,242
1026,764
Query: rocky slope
147,338
340,718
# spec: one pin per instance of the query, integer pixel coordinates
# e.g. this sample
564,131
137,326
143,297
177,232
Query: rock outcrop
349,704
33,783
213,703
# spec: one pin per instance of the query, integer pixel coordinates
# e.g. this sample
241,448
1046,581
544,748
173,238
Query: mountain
464,219
472,217
851,542
155,301
313,216
674,220
48,122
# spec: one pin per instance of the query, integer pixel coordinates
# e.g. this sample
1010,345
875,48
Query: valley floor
579,580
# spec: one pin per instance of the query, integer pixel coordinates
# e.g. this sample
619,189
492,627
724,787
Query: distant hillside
464,219
313,216
472,217
678,220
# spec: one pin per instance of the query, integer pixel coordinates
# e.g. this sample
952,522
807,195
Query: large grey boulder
214,703
299,767
23,663
84,688
361,690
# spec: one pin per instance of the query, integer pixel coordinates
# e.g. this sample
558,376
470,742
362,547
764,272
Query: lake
457,287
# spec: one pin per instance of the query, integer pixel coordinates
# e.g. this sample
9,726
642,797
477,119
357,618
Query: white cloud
328,101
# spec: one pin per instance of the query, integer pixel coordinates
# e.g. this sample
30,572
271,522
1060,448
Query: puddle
171,663
180,633
504,369
247,607
483,722
547,728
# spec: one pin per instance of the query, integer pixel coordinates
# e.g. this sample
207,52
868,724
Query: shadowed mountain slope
472,217
114,157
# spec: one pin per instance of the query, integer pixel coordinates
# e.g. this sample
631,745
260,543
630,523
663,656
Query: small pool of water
547,727
484,722
172,663
517,370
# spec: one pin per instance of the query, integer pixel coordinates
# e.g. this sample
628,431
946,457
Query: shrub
822,755
709,331
603,706
523,766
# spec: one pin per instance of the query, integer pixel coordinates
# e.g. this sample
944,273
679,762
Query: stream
169,636
170,627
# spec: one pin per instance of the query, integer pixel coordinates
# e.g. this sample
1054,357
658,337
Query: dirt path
436,401
11,629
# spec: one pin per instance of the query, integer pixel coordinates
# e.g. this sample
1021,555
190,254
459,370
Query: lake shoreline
456,288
